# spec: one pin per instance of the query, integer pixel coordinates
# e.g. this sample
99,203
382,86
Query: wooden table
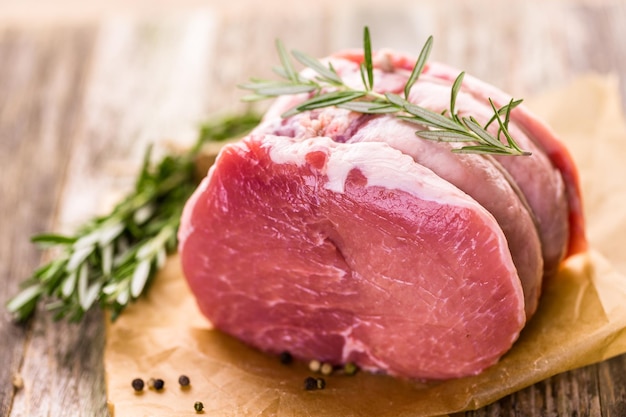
84,88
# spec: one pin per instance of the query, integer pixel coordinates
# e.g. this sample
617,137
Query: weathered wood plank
46,72
612,380
36,125
568,394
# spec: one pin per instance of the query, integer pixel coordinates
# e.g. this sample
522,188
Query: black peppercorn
198,406
183,380
310,383
138,384
158,384
286,358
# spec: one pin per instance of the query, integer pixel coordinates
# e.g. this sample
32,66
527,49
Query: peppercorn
315,365
286,358
156,384
137,384
198,406
310,383
326,369
350,368
321,383
183,380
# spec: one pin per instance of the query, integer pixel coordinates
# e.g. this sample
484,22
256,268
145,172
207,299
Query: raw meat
350,252
343,237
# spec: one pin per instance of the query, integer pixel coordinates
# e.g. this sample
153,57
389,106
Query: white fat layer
380,164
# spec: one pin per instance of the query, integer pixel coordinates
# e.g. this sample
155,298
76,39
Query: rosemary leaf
107,260
69,285
278,88
79,255
363,71
397,100
483,135
419,66
83,275
481,149
327,73
368,107
456,87
445,136
109,233
284,59
326,100
367,55
280,71
91,295
52,239
23,299
139,279
431,118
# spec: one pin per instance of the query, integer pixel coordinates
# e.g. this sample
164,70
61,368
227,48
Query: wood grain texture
78,104
43,95
37,122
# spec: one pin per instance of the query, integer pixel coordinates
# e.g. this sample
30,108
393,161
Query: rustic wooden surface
84,89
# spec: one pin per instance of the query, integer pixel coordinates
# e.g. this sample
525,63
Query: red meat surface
350,252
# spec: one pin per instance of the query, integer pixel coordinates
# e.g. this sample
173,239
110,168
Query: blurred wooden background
84,87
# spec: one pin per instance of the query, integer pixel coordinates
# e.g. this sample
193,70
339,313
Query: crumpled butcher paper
581,318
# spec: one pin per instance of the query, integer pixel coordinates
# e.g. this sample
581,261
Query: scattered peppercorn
183,380
326,369
198,406
286,358
156,384
310,383
137,384
315,365
350,368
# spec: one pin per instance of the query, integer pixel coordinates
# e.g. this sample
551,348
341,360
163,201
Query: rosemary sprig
327,89
111,260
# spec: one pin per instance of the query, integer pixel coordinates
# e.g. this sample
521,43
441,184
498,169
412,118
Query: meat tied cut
343,237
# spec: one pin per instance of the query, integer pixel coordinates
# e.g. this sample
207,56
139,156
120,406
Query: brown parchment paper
581,318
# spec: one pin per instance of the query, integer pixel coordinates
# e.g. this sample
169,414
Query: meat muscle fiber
350,252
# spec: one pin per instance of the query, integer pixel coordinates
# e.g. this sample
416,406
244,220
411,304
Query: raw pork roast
343,237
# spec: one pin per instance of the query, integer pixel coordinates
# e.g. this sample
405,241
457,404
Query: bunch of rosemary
111,259
327,89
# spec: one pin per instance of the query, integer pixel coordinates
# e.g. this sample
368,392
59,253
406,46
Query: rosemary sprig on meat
327,89
111,259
